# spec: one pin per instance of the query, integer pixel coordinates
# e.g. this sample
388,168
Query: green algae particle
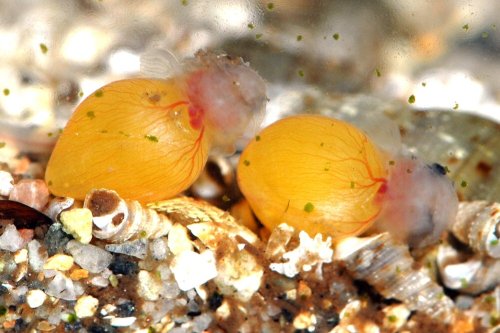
463,183
378,73
300,72
257,138
392,162
258,36
465,27
98,93
392,318
2,144
308,207
72,318
3,310
50,134
336,36
151,138
352,184
485,34
494,242
49,183
6,92
270,6
44,48
250,26
91,114
299,38
455,107
184,2
411,99
246,162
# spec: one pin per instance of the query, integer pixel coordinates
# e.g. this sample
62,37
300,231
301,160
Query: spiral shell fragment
473,276
388,267
478,225
119,220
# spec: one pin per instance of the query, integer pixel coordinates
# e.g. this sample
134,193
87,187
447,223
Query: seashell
57,205
389,268
474,275
118,220
478,225
149,139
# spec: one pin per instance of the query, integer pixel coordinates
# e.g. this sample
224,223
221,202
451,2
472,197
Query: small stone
44,326
35,298
78,223
63,287
11,240
178,239
159,249
60,262
193,269
122,321
149,285
36,255
86,306
79,274
125,309
31,192
123,265
90,257
56,239
21,256
137,248
6,183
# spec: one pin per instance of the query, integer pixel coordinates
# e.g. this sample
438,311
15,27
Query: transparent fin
159,63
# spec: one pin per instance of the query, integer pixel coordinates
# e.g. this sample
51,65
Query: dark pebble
101,329
20,325
3,290
125,309
215,301
121,264
56,239
287,315
73,327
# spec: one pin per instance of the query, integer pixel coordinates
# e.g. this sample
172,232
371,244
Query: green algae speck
308,207
151,138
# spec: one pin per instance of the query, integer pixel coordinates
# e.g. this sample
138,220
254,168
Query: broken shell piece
119,220
388,267
57,205
478,225
310,252
474,276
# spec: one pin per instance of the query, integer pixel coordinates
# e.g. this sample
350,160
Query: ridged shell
389,268
474,275
126,219
478,225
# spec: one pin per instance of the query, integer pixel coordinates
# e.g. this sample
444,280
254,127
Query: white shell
389,268
57,205
135,222
474,275
478,226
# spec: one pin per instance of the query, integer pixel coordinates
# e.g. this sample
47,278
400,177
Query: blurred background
342,58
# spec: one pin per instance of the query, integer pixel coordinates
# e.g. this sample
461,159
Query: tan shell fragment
478,225
118,220
388,267
239,271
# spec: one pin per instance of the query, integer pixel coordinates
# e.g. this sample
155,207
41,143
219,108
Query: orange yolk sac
149,139
323,175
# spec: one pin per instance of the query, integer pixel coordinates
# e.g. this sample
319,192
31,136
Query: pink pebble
31,192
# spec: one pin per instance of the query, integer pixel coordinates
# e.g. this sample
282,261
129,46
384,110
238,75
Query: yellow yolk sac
132,136
148,139
314,173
